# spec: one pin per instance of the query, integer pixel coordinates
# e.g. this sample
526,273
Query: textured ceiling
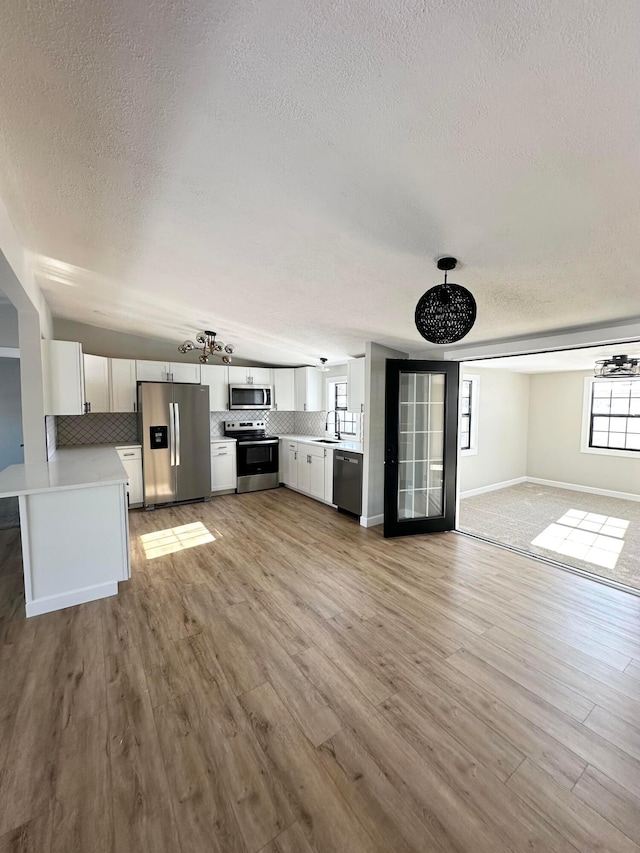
287,172
554,362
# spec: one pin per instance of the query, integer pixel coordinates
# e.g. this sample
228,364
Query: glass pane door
421,447
421,427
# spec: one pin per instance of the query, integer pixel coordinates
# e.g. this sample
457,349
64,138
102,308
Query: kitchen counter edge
77,467
352,446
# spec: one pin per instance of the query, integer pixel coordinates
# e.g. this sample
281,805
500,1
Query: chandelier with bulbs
210,346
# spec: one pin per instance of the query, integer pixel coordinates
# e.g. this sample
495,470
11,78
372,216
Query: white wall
8,326
18,282
502,429
98,341
555,424
10,413
374,407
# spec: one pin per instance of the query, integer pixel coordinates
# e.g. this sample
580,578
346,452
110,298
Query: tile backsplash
277,423
122,427
113,428
310,423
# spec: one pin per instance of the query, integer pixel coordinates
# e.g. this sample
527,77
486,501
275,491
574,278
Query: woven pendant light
446,312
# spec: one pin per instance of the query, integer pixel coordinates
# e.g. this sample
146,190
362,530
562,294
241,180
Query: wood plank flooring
299,684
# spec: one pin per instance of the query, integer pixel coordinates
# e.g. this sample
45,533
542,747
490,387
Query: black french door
421,429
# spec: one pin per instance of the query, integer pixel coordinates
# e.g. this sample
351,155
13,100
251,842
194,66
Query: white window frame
586,425
339,380
474,378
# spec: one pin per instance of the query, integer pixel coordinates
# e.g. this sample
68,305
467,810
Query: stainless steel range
257,455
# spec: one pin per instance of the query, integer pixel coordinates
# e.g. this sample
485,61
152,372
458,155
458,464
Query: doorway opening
549,460
11,451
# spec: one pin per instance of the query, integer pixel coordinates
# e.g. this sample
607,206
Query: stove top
254,430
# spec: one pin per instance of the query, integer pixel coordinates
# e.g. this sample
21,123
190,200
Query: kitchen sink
327,440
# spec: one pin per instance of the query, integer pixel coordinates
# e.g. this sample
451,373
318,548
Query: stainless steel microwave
253,397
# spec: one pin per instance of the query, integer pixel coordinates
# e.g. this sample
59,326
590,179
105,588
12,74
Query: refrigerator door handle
176,418
172,438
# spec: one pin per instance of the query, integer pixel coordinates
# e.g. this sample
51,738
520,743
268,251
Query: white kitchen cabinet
250,375
238,375
284,389
96,383
289,463
131,458
223,466
308,389
328,475
355,384
216,376
122,384
63,378
316,476
167,371
310,470
152,371
261,376
184,372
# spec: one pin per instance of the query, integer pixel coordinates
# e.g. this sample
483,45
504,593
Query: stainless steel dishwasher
347,480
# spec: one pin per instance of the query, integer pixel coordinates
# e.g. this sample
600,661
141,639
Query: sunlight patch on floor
585,536
173,539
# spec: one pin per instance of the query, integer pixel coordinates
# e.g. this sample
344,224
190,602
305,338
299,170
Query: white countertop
69,468
353,446
221,438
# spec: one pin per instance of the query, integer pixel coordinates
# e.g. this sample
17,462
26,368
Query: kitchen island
74,526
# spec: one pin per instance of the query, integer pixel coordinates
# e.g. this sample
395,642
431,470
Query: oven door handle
256,443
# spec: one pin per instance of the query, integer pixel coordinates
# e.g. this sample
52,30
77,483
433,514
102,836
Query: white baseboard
608,493
493,487
574,487
70,599
372,520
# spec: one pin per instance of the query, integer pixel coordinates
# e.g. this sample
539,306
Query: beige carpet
598,534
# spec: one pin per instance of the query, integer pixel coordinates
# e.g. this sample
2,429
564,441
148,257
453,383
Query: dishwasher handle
345,459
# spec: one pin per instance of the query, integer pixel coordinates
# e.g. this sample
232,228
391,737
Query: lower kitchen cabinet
289,463
307,468
311,470
224,476
131,458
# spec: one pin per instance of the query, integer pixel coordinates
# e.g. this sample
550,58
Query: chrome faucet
336,424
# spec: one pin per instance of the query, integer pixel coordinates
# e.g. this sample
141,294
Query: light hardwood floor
300,684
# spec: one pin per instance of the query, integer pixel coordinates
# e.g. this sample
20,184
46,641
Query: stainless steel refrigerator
176,447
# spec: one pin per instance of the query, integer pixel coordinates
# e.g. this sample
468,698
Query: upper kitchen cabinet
63,378
250,375
96,383
216,376
308,389
184,372
284,389
109,384
355,384
164,371
122,384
